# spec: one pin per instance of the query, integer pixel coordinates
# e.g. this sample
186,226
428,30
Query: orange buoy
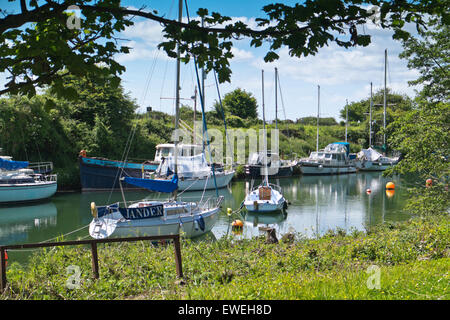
429,183
390,185
390,193
368,191
237,224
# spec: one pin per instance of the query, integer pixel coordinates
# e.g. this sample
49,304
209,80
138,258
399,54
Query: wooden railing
93,243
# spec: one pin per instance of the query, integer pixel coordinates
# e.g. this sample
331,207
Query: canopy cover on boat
12,165
166,186
187,167
369,154
338,147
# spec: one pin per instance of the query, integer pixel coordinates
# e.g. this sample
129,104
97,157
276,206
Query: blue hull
101,174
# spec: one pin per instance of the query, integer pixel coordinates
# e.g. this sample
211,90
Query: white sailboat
266,197
370,159
20,183
151,217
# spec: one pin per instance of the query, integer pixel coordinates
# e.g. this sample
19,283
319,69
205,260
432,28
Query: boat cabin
185,150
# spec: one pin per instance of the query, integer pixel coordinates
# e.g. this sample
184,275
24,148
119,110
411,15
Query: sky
342,74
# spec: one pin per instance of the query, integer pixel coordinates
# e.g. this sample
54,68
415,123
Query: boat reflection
17,222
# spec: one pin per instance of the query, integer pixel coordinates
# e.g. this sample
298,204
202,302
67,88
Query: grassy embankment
412,257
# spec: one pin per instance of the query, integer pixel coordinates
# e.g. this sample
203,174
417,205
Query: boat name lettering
143,213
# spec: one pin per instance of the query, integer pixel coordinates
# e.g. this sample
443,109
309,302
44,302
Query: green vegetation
412,258
49,128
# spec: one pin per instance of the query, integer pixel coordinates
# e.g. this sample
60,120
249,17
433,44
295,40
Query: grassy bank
412,257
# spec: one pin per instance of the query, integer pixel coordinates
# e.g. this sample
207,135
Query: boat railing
41,167
275,186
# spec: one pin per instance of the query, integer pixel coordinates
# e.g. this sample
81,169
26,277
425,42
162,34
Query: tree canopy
41,40
239,103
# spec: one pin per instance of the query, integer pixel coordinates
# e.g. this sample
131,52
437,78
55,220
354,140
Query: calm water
318,203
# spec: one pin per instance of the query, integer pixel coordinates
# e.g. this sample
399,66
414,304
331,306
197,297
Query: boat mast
346,118
266,179
370,117
384,100
177,97
276,99
203,93
318,112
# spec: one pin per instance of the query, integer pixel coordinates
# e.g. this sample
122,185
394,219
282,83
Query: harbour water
317,204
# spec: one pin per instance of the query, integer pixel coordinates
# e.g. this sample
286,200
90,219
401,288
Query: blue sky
343,74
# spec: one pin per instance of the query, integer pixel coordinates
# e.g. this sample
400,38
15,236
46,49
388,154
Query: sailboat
20,182
256,160
370,159
155,217
335,158
266,197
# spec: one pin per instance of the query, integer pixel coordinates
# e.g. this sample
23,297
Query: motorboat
333,159
372,160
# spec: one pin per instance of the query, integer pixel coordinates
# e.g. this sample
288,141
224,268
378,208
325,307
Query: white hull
27,192
253,203
195,184
263,206
112,225
327,169
375,166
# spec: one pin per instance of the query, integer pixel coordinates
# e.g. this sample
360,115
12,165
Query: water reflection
317,204
18,223
321,203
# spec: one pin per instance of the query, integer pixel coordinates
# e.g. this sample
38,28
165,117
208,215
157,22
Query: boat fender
199,222
6,258
94,210
320,166
255,205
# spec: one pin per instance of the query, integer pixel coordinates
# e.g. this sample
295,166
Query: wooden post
2,269
176,241
94,259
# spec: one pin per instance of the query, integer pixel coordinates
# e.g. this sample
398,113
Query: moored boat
371,160
333,159
21,184
102,174
277,167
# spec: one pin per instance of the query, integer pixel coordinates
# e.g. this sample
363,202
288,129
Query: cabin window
165,152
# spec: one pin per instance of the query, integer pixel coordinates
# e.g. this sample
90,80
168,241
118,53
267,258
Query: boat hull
159,226
103,175
375,166
253,171
12,193
264,206
98,174
222,180
316,169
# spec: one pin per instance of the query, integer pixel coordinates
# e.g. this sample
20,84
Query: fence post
94,259
179,267
2,269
